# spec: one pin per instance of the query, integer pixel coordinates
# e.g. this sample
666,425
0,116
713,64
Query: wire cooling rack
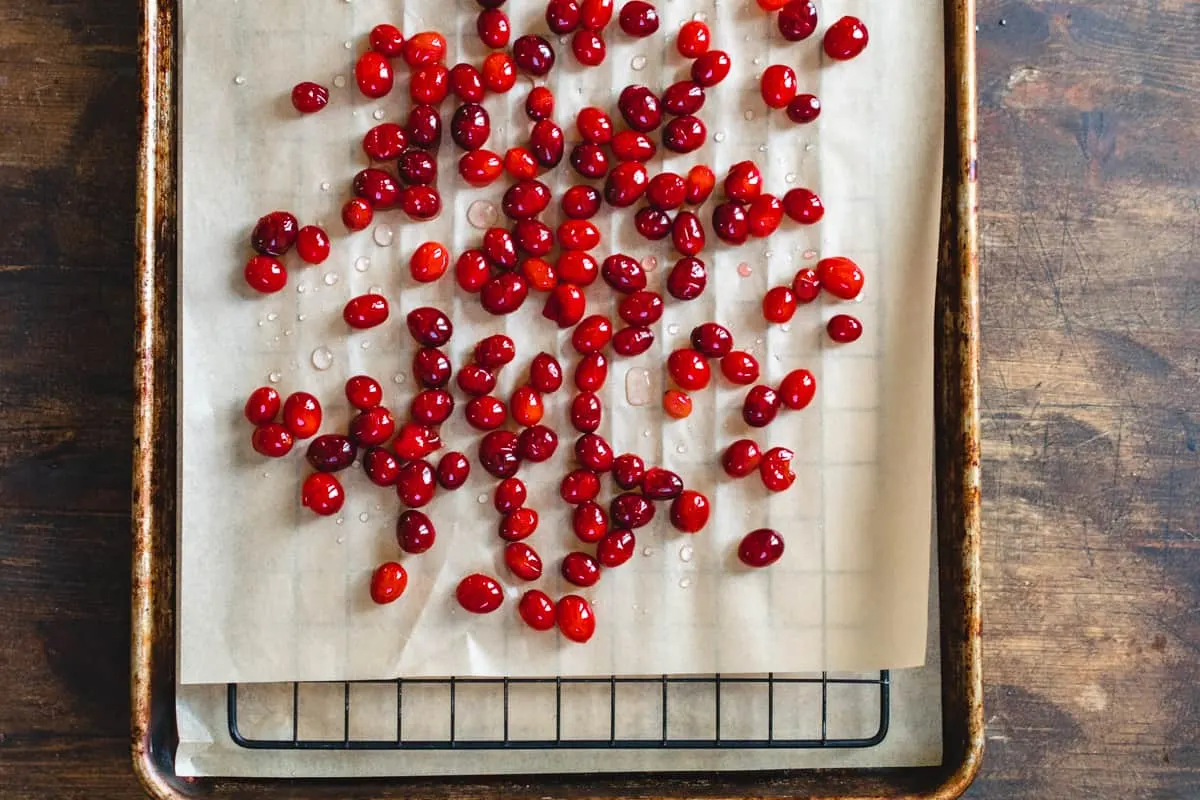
662,712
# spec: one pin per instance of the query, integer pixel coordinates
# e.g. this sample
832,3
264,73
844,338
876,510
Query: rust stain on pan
958,458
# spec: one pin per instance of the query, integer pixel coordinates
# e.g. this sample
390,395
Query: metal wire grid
664,740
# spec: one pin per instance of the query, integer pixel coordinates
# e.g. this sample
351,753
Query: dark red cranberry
479,594
712,340
591,372
545,373
377,187
843,328
845,38
622,273
524,562
743,182
760,406
417,167
711,68
537,609
309,97
525,199
797,20
421,202
628,470
381,466
499,248
581,202
764,214
424,126
666,191
639,108
472,270
804,206
415,532
589,47
594,452
373,74
365,311
589,160
760,548
687,233
729,222
539,103
579,486
585,412
537,443
432,406
638,18
386,40
431,368
595,14
509,495
641,308
739,367
741,458
562,16
416,484
533,54
684,134
372,427
689,511
470,127
684,97
499,453
272,439
565,305
331,452
580,569
661,484
625,184
778,305
653,224
631,511
804,108
453,470
687,279
546,143
494,28
589,521
632,341
533,237
430,326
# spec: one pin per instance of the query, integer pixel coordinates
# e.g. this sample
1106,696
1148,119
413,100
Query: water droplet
366,344
648,551
301,317
339,81
274,377
681,448
260,323
650,263
482,498
762,148
758,59
377,113
699,16
347,44
383,235
758,341
785,327
240,80
322,358
374,290
637,387
339,520
326,186
749,115
685,583
562,40
638,63
635,606
362,263
302,288
746,38
673,329
646,433
482,214
809,254
276,340
287,332
272,317
363,517
808,148
399,378
685,553
768,253
719,136
341,539
266,474
330,278
745,270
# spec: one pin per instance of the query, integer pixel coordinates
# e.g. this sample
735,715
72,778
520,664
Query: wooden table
1091,396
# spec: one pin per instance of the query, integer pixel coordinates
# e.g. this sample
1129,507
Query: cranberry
357,214
743,182
778,85
630,510
589,522
415,532
589,160
510,495
652,223
797,389
775,469
760,548
499,72
638,18
741,458
331,452
421,202
431,367
537,443
684,97
547,143
840,276
711,68
616,548
309,97
545,373
275,233
689,511
493,352
623,273
524,562
429,326
533,54
424,126
500,248
387,40
684,134
493,27
580,569
525,199
323,493
803,206
594,452
739,367
472,270
373,73
581,202
265,274
677,404
470,126
534,236
687,233
562,16
485,413
592,334
804,108
577,267
591,372
806,285
479,593
764,214
574,615
578,234
712,340
414,441
384,142
579,486
520,163
504,294
797,20
262,406
843,328
565,305
452,470
312,244
302,414
625,184
666,191
526,406
432,406
422,49
589,47
639,108
539,273
661,484
272,440
430,84
373,426
730,223
536,608
585,412
381,466
632,341
694,39
700,183
594,126
779,304
415,484
687,279
845,38
633,146
429,262
595,14
760,406
641,308
417,167
498,454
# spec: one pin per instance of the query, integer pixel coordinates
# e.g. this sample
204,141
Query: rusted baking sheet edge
154,513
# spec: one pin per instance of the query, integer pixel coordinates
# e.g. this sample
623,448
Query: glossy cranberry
739,367
520,163
431,407
653,224
499,72
309,97
417,167
381,466
493,27
573,614
641,308
431,367
689,511
429,262
595,14
565,305
373,426
373,73
275,233
622,273
760,548
429,326
535,606
500,248
743,182
415,532
586,411
545,373
840,276
272,439
537,443
526,406
711,68
470,126
594,452
760,406
422,49
804,108
331,452
510,495
534,237
628,510
265,274
741,458
639,108
632,341
775,469
472,270
312,244
386,40
806,285
262,405
687,279
687,233
661,484
778,304
538,272
525,199
638,18
323,493
778,85
730,223
414,441
430,84
666,191
589,521
694,39
385,142
416,484
712,340
546,143
482,167
764,214
357,214
797,389
683,98
677,404
578,234
589,160
700,183
577,267
591,334
499,454
625,184
579,486
302,414
804,206
479,593
843,328
562,16
591,372
504,294
424,126
580,569
421,202
633,146
581,202
588,47
485,413
845,38
533,54
684,134
453,469
524,562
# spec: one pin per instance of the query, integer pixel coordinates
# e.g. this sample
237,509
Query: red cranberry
526,406
545,373
641,308
479,593
533,54
377,187
594,125
499,72
373,73
499,453
694,39
453,470
689,511
581,202
472,270
591,334
589,47
414,441
730,223
760,406
565,305
684,134
797,389
493,27
265,274
384,142
595,14
386,40
309,97
421,202
806,285
415,484
534,236
424,126
594,452
470,127
775,469
741,458
357,214
485,413
840,276
524,562
585,412
845,38
803,206
652,223
666,191
579,486
743,182
525,199
677,404
272,439
778,85
625,184
373,426
843,328
422,49
633,146
684,97
430,326
500,248
493,352
580,569
480,167
760,548
661,484
710,68
415,532
417,167
578,235
574,615
577,267
263,405
431,367
589,521
381,466
628,470
764,214
331,452
562,16
537,443
503,294
639,108
429,262
510,495
712,340
700,183
622,273
429,84
797,20
630,510
591,372
638,18
804,108
687,233
275,233
739,367
589,160
687,279
537,609
632,341
779,304
432,406
322,493
302,414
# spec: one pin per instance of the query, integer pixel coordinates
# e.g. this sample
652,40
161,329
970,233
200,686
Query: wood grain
1091,207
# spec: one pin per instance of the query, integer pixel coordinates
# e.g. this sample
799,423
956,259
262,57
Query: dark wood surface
1090,181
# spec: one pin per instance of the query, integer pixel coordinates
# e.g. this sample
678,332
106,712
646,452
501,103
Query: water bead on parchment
302,288
366,344
261,323
383,235
362,264
272,317
339,81
326,186
637,387
375,290
240,80
785,327
673,329
719,136
378,113
685,553
699,16
681,449
348,44
399,378
363,517
685,583
749,115
330,278
810,254
789,178
650,263
638,63
745,270
648,551
322,358
273,377
482,214
768,253
483,498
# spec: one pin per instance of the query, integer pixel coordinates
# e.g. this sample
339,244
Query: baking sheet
268,592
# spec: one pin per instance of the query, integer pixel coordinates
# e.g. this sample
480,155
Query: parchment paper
270,592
